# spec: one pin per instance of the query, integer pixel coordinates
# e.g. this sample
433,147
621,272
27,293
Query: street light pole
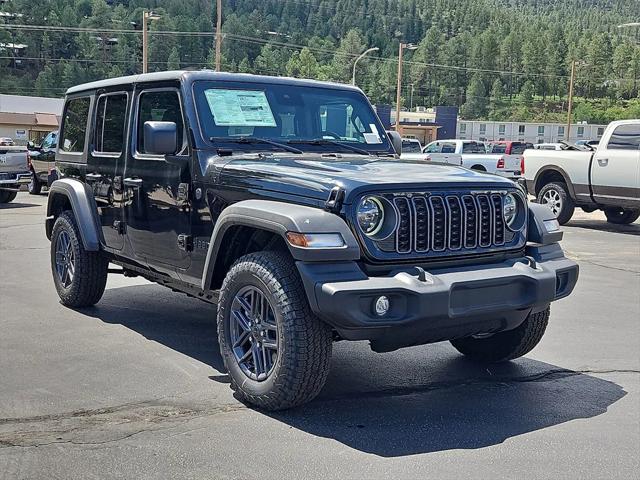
570,106
366,52
218,34
408,46
146,16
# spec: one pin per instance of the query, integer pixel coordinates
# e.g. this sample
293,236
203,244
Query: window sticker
373,137
240,108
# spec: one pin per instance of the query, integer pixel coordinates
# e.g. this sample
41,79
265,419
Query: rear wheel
79,276
621,216
276,351
7,196
556,196
34,187
504,346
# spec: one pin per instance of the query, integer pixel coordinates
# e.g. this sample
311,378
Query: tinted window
110,123
75,125
448,148
410,147
518,148
50,141
473,147
161,106
625,137
498,148
432,148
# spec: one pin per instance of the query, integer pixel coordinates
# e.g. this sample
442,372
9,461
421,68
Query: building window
540,129
560,132
463,128
600,131
501,129
483,128
75,125
520,129
580,132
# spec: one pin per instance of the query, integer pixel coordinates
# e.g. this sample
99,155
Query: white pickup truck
606,178
14,171
474,156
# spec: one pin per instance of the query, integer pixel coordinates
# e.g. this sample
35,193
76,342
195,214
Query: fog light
551,225
381,306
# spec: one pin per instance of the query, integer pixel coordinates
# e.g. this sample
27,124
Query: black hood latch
335,200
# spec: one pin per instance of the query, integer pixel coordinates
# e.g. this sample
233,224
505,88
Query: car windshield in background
498,148
411,147
237,115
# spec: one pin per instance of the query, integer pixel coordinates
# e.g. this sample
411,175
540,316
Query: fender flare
280,218
557,169
83,206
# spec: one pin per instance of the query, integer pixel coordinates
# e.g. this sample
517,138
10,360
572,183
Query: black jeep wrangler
284,202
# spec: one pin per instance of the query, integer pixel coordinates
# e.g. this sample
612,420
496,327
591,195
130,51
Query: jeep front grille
445,224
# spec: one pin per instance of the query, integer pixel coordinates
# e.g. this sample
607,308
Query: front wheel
621,216
556,196
504,346
34,187
79,276
276,351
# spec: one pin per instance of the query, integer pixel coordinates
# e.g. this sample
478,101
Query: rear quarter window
625,137
74,130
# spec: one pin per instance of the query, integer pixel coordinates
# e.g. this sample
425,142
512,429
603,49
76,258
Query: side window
448,148
625,137
469,147
50,141
75,125
433,148
110,123
161,106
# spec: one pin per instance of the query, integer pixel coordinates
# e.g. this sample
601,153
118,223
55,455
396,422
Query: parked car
412,150
42,163
442,151
193,180
6,142
508,147
607,178
474,155
14,171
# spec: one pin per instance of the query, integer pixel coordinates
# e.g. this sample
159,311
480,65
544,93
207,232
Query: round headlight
370,215
510,209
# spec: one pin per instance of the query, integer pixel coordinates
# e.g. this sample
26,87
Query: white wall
533,132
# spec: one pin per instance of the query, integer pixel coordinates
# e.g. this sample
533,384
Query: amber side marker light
315,240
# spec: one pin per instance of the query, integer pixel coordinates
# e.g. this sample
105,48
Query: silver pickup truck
14,171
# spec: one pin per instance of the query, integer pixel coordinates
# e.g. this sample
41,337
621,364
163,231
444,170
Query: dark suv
285,203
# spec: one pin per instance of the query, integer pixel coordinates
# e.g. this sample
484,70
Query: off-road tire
7,196
90,276
34,187
508,345
305,342
621,216
568,205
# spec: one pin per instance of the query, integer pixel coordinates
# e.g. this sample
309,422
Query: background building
28,118
526,132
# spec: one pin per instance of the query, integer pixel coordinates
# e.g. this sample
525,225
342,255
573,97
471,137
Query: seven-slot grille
438,223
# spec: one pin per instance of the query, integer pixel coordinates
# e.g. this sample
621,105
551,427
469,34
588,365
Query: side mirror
160,138
32,146
396,141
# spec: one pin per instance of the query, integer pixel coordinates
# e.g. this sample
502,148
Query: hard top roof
189,75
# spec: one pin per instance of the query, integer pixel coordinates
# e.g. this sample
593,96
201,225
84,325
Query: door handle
603,162
132,182
93,176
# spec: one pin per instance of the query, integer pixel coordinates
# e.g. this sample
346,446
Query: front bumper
438,305
14,180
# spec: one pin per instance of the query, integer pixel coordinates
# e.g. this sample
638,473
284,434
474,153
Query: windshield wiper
326,141
249,140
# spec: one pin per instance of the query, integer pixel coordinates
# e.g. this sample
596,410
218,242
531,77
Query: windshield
296,115
409,146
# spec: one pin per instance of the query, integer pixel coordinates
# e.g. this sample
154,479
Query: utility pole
146,16
411,99
408,46
570,106
218,34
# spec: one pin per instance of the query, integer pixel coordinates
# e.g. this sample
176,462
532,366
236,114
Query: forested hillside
506,59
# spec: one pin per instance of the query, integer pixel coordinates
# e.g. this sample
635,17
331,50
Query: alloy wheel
65,259
552,199
253,333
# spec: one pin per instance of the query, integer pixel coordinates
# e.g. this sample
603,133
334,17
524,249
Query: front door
615,170
157,207
106,162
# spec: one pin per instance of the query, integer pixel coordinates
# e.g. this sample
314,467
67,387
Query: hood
314,175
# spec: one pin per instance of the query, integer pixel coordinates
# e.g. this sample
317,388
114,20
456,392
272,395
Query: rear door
615,169
106,162
157,208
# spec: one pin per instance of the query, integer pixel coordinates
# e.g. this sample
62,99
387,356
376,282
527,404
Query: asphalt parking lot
134,387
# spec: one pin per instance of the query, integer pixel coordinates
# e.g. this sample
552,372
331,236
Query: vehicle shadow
603,226
416,400
11,205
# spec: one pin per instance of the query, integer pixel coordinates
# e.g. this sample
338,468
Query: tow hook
422,275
